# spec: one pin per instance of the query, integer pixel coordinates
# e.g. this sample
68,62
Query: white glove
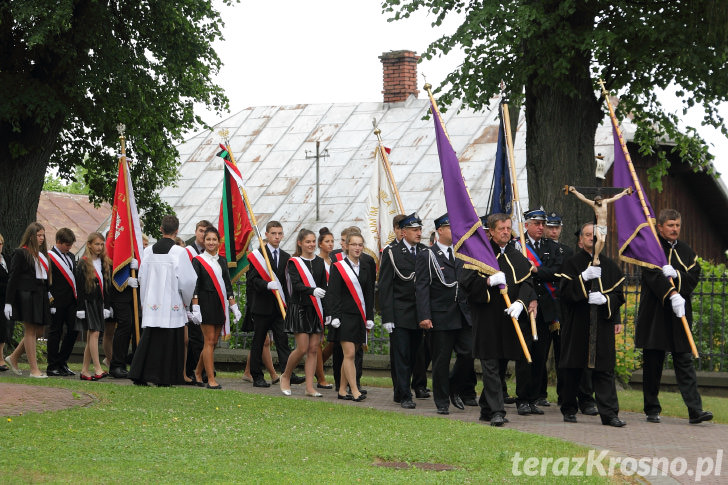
274,285
236,312
189,316
669,271
591,273
327,320
196,315
678,305
134,264
388,327
514,311
50,297
369,324
108,313
132,282
336,323
81,314
319,292
53,310
596,298
497,279
8,311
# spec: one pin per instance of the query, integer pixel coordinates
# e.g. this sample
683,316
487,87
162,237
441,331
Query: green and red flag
234,224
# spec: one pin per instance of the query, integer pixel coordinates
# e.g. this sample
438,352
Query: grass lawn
134,434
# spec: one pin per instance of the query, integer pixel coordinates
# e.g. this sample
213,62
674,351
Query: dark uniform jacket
657,326
494,336
551,255
397,286
261,300
438,300
576,318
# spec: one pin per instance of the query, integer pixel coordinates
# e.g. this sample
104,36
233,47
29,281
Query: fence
709,325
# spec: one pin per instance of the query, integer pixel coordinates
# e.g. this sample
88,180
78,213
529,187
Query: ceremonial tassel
388,168
641,196
464,221
249,208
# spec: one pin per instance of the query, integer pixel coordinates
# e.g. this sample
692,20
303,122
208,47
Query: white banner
381,207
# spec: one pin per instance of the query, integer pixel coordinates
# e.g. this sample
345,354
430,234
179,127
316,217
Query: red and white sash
258,262
339,256
41,266
308,280
216,277
67,273
352,283
191,253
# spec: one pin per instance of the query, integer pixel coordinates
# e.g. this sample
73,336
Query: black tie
275,257
449,255
414,252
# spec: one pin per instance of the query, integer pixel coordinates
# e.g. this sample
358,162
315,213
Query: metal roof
58,209
269,144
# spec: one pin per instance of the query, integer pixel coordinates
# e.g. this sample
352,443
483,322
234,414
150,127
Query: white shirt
212,260
408,246
445,248
355,267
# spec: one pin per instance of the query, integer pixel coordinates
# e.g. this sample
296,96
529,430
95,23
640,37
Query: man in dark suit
266,311
398,305
443,311
63,307
546,258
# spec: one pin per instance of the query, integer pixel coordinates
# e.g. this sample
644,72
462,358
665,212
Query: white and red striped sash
67,273
308,280
258,262
352,283
217,280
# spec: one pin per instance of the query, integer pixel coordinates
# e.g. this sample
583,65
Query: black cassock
575,321
494,336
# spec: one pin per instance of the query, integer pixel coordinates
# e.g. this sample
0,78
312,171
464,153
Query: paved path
671,439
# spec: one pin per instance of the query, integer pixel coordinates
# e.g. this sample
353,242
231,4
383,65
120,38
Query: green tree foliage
71,70
76,186
551,53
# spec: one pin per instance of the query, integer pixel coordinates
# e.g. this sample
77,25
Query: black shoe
397,399
260,383
590,410
67,372
119,373
408,404
442,410
701,416
54,373
470,401
422,393
614,421
498,420
214,387
523,409
347,397
297,379
569,418
543,402
140,383
653,418
360,398
456,401
326,386
535,409
509,400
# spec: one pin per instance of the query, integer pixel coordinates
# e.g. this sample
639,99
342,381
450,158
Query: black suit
439,300
122,302
266,313
398,305
64,301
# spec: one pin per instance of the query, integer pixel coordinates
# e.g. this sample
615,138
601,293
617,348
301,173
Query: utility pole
319,155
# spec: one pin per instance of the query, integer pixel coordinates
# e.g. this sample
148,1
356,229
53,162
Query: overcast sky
280,52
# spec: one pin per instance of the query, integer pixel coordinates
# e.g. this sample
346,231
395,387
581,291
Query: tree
55,184
71,70
550,55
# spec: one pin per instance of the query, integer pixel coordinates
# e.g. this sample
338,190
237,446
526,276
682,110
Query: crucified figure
599,205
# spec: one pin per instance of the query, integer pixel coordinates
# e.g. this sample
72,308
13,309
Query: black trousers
443,342
585,394
405,343
556,342
262,324
124,314
60,346
652,363
422,362
462,375
605,391
194,347
491,399
539,353
526,391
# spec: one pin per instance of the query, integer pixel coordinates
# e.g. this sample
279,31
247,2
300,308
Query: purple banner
637,243
469,238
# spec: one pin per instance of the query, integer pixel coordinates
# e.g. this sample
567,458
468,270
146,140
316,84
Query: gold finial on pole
224,134
121,128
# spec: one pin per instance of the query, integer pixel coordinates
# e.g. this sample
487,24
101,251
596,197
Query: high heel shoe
347,397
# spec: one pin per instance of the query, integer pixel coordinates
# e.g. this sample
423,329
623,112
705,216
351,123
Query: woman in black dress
350,299
5,324
213,294
93,276
27,298
305,313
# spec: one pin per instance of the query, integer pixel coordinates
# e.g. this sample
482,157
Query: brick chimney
400,75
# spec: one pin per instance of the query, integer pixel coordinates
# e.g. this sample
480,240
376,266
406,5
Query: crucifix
595,198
